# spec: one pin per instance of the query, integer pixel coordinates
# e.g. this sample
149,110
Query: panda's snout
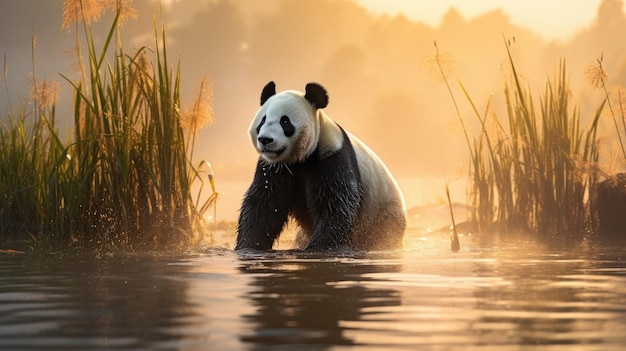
265,141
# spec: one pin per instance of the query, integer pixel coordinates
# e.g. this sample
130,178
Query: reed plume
45,93
199,113
595,74
77,11
597,77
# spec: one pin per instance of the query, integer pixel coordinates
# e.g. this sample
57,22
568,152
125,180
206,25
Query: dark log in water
612,207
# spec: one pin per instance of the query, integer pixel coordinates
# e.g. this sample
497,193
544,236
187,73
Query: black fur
268,91
322,194
288,128
258,128
316,95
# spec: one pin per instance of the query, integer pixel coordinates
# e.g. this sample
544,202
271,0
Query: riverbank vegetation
536,170
124,178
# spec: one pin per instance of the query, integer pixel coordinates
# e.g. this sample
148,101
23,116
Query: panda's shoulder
331,136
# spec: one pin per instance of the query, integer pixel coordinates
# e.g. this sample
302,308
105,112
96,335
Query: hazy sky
553,19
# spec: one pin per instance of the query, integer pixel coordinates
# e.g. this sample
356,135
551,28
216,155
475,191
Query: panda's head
286,127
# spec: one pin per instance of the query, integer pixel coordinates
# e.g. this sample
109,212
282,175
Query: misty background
376,67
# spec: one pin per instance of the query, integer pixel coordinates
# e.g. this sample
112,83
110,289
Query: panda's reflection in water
300,299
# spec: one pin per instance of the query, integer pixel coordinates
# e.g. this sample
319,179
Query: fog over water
374,66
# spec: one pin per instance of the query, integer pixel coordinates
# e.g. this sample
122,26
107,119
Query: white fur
288,103
380,189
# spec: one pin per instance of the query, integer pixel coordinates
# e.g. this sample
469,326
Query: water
513,296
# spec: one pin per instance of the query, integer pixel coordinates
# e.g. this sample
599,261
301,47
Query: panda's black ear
268,91
316,95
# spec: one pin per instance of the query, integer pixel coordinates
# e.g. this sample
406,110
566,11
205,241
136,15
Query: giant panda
312,170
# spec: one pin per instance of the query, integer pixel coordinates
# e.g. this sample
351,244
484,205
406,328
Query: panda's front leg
337,200
265,208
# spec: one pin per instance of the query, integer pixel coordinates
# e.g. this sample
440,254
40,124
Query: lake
497,296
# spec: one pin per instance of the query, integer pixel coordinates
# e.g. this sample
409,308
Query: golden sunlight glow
545,17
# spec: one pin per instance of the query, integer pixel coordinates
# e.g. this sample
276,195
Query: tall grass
125,177
533,171
27,158
23,174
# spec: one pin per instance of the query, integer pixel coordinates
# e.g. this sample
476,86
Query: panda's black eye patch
258,128
288,128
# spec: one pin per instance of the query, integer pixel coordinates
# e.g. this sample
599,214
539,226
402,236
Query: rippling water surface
498,297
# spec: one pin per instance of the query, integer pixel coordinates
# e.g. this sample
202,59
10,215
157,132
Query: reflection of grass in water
533,171
126,176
